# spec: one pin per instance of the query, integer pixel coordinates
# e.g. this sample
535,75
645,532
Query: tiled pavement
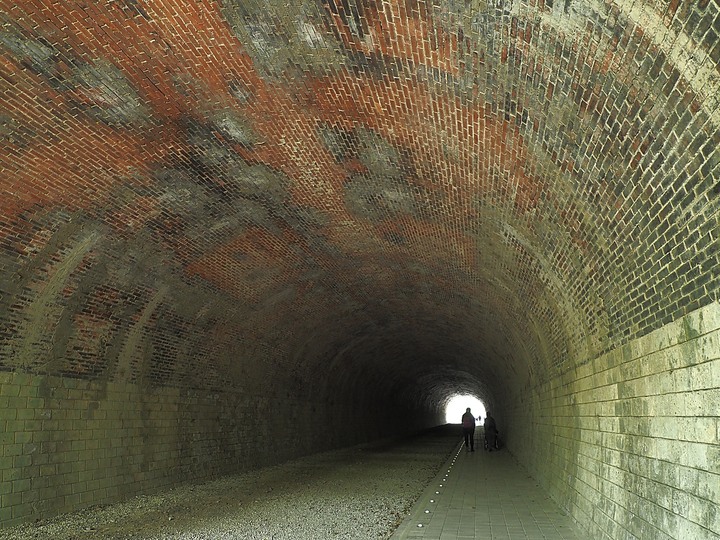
485,495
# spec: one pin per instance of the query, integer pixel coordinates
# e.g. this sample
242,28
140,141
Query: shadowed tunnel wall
224,220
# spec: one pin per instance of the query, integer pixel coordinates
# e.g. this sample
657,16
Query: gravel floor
358,493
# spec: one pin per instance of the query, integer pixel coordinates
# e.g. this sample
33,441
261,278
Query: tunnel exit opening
457,405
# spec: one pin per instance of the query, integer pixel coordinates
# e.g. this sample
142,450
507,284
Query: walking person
468,427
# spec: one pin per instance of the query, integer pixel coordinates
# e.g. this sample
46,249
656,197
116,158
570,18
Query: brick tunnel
224,218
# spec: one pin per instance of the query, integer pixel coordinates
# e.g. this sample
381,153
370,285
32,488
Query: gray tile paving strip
485,495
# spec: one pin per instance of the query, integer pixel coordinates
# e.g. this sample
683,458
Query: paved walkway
485,495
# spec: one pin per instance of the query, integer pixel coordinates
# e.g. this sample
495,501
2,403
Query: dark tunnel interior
221,218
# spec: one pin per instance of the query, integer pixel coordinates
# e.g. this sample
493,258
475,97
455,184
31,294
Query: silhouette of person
468,427
491,433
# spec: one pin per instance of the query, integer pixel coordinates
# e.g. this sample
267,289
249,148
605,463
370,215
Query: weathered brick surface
349,209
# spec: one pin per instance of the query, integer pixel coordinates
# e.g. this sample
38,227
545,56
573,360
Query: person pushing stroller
491,434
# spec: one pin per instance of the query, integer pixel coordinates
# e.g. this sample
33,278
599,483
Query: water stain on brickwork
386,188
234,128
33,347
341,143
260,182
99,88
204,215
221,169
285,38
377,198
136,347
14,133
104,91
80,338
241,92
34,52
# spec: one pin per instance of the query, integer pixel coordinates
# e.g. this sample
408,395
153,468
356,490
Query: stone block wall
628,443
68,443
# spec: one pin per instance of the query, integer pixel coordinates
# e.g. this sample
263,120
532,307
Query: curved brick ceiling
354,199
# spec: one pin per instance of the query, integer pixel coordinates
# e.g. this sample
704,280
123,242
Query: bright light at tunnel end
456,408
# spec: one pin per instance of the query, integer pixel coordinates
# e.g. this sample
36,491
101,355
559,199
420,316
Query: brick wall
629,443
349,209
